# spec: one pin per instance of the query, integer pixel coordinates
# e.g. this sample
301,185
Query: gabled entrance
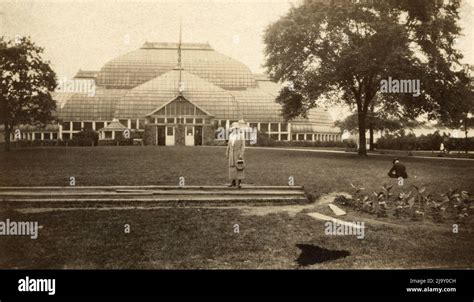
179,122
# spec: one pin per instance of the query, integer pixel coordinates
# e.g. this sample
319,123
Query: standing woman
235,155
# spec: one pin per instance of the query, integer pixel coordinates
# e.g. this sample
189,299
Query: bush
86,137
415,204
263,140
35,143
430,142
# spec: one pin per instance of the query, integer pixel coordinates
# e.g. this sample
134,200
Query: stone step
150,195
7,195
163,187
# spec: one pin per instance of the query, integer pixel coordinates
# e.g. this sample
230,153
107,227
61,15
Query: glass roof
155,59
145,98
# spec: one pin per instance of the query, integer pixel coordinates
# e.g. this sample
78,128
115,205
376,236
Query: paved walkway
353,153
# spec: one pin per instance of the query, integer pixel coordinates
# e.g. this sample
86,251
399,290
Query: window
294,137
47,135
66,126
199,121
54,135
133,124
169,131
99,125
141,124
284,137
170,120
274,127
66,136
88,125
274,136
189,120
301,137
284,127
253,125
108,134
180,107
160,120
37,136
124,122
76,126
264,127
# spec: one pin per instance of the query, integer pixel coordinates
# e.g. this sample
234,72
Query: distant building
178,95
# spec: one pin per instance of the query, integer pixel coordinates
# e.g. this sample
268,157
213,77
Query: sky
86,34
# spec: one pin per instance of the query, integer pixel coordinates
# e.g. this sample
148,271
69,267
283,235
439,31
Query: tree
25,86
378,120
346,51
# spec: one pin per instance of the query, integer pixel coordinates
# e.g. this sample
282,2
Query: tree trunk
466,144
371,128
362,141
7,137
371,137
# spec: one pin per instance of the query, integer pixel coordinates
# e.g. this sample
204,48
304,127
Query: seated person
398,170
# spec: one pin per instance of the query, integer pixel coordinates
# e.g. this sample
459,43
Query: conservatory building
179,94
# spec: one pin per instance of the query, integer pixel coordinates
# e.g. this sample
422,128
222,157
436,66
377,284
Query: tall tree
378,119
349,49
25,85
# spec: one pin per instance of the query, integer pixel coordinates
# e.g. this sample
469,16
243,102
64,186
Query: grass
320,173
204,237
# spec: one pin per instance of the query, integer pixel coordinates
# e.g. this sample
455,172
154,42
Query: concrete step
147,195
164,187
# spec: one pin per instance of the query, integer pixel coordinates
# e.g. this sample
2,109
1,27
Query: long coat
233,154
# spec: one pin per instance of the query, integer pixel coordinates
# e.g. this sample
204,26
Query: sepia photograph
237,135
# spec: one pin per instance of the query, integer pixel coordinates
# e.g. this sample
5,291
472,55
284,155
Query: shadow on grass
311,254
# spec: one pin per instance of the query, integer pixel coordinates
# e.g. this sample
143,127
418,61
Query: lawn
204,237
320,173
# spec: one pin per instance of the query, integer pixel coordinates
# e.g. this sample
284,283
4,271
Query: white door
189,139
170,136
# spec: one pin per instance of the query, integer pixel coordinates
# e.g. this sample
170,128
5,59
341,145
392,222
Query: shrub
86,137
415,205
432,141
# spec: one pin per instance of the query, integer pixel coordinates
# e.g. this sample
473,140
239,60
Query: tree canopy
342,53
25,85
